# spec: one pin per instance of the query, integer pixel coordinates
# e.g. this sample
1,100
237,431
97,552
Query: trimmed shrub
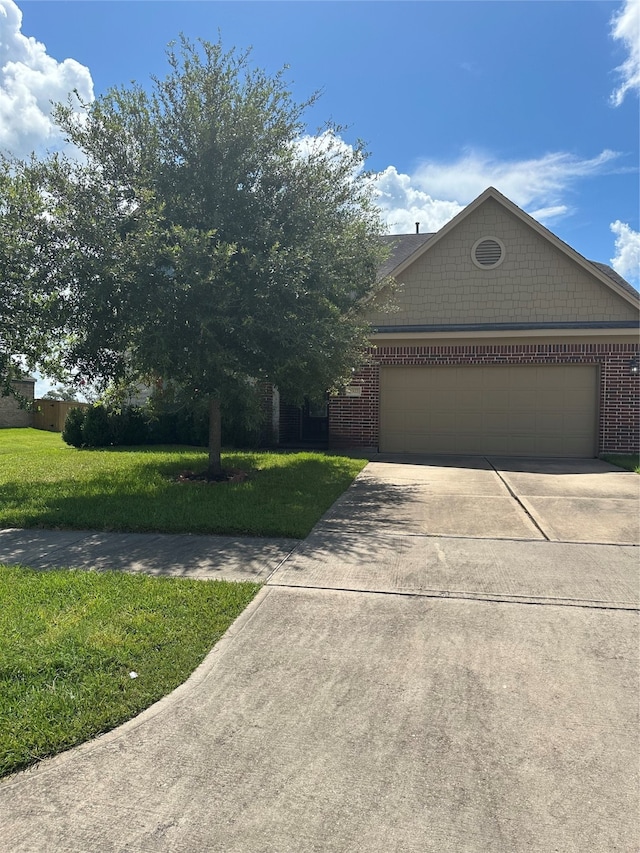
188,423
72,432
162,428
129,426
243,418
136,429
192,425
96,429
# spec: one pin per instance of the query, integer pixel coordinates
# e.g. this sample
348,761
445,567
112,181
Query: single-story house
505,341
11,414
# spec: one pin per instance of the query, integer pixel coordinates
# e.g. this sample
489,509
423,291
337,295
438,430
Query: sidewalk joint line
283,561
459,596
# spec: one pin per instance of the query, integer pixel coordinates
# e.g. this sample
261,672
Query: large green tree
30,321
208,240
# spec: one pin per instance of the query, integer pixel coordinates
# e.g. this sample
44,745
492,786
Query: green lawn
45,483
70,639
630,462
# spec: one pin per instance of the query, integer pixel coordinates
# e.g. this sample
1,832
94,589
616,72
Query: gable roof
407,248
614,276
402,247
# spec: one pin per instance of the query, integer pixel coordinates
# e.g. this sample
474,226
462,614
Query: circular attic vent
487,253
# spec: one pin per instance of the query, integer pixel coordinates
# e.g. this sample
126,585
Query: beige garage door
527,410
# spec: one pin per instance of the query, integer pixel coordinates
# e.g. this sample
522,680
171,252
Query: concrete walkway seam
516,498
442,595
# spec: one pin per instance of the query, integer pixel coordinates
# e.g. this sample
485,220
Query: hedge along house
505,341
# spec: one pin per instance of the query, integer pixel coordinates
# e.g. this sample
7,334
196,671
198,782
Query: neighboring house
505,341
11,415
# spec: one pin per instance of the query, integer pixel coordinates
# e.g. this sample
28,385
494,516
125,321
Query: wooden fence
51,414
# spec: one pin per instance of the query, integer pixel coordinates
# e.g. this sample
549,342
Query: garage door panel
488,380
570,399
493,399
521,445
543,410
444,421
397,400
518,400
521,423
573,423
550,421
493,423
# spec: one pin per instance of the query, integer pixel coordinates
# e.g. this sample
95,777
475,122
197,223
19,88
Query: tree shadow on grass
278,500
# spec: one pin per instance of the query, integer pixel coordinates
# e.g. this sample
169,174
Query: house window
487,253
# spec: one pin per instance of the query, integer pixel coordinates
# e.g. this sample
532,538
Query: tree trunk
215,438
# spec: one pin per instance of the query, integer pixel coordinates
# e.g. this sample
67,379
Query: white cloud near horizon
627,247
30,80
625,27
436,191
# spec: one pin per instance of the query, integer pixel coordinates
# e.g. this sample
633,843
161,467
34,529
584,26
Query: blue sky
538,98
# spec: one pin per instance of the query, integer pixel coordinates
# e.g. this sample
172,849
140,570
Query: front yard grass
629,461
69,641
45,483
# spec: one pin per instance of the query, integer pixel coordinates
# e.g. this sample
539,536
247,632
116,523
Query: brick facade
354,421
540,304
11,415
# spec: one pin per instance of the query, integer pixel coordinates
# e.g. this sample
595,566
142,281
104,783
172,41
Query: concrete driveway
564,500
391,688
483,528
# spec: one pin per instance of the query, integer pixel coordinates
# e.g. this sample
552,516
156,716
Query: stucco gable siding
536,283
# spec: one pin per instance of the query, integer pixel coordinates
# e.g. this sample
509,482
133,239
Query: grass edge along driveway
82,652
628,461
45,483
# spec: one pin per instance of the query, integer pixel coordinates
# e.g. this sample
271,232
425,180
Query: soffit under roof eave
434,334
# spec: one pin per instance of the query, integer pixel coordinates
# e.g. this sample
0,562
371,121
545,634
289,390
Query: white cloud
547,214
526,182
436,191
403,203
627,257
29,80
625,27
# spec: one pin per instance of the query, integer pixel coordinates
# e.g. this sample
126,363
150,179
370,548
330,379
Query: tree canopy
203,238
29,309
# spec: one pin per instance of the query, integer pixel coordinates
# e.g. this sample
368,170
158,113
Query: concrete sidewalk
180,555
389,689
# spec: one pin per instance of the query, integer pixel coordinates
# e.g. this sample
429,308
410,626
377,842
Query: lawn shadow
146,496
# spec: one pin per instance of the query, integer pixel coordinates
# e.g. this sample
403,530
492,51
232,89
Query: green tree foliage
208,241
66,393
29,309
